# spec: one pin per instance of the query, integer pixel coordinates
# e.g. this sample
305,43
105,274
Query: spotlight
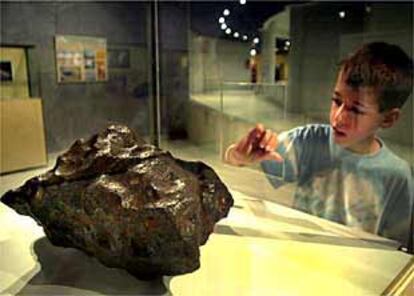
256,40
221,20
287,43
223,26
342,14
242,2
226,12
236,35
244,37
253,52
228,31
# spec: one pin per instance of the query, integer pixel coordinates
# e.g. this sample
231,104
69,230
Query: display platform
261,248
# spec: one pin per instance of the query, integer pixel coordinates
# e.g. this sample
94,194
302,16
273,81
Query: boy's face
355,117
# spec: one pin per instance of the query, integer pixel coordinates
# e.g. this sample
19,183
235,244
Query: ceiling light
226,12
342,14
242,2
253,52
256,40
244,37
221,20
236,35
287,43
228,31
223,26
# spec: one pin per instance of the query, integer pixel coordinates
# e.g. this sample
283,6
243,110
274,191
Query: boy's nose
341,117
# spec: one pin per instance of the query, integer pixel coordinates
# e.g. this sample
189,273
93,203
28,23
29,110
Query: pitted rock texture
129,204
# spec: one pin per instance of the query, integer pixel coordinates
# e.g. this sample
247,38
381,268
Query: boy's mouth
338,132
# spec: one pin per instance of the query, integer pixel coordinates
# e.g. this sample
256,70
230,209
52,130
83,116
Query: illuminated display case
192,78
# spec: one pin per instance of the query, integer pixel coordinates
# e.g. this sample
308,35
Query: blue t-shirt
373,192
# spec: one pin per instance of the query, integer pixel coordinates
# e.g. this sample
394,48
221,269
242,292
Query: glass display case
193,78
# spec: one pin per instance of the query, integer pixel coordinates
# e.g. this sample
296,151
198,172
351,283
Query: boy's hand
259,144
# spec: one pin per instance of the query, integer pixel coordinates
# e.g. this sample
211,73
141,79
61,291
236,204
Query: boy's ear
390,117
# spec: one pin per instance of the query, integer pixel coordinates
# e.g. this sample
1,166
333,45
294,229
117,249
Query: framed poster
6,71
81,59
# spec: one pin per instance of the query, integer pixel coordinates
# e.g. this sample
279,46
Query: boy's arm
398,213
258,145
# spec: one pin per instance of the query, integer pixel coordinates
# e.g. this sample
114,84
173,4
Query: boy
344,172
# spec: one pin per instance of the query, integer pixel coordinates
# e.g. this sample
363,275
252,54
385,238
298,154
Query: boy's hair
382,65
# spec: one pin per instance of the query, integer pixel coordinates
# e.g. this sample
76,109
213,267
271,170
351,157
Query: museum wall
232,57
215,60
276,26
174,68
74,110
316,50
314,31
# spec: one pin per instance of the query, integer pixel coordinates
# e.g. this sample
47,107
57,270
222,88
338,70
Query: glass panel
194,78
190,92
285,79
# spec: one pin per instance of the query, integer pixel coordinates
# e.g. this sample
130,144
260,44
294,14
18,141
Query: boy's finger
276,157
246,144
256,132
271,156
243,146
254,136
272,143
251,138
259,127
265,139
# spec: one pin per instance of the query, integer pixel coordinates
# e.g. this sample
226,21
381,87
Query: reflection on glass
344,171
361,121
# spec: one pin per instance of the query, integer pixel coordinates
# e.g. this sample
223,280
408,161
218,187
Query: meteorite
128,203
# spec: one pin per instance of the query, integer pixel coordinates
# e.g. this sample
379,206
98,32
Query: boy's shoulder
393,162
310,137
310,130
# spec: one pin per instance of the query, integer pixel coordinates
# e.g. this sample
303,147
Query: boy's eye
356,111
337,101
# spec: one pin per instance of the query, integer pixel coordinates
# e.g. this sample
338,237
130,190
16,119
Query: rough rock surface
129,204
